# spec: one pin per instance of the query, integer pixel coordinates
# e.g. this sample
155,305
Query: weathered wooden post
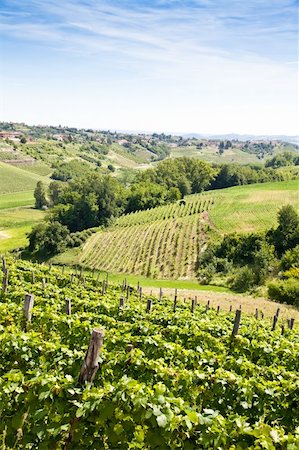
230,308
175,300
237,322
44,284
149,304
262,314
192,305
256,315
275,319
68,306
128,292
28,305
282,330
289,323
218,309
121,302
160,294
32,277
5,280
138,286
140,293
278,312
208,305
292,321
240,307
4,267
91,362
81,273
72,279
103,287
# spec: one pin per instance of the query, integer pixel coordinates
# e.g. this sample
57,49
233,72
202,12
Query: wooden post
103,287
68,306
33,277
292,321
160,294
138,286
140,293
262,314
256,313
218,309
91,362
44,284
28,305
289,323
278,312
195,300
240,307
230,308
275,319
282,330
81,273
128,292
72,279
192,305
149,304
237,322
121,302
208,305
5,280
4,264
175,300
84,282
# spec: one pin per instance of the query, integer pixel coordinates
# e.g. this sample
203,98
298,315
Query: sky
194,66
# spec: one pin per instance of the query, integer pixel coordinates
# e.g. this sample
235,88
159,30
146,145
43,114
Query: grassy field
164,242
253,207
15,223
13,179
16,199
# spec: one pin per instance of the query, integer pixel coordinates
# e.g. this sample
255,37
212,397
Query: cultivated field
13,179
172,374
164,242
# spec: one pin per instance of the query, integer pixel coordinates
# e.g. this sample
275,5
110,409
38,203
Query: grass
16,199
15,223
252,207
13,179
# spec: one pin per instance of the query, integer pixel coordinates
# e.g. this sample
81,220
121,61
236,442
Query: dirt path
224,300
4,235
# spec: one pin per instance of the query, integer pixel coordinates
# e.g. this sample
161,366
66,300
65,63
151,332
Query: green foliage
282,160
290,259
285,291
286,235
48,238
244,279
185,384
40,195
69,170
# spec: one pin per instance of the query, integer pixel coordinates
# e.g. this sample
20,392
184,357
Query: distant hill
245,137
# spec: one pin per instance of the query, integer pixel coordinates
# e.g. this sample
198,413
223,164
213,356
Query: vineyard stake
33,277
149,305
121,302
218,309
275,319
91,362
282,330
192,305
278,312
28,305
208,305
160,294
68,306
5,280
236,322
175,300
292,321
230,308
256,313
3,264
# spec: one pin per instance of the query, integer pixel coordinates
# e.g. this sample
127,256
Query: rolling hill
164,242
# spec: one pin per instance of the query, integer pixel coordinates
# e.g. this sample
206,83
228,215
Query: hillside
164,242
14,179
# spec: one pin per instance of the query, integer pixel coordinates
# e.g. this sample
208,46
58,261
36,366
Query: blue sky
209,66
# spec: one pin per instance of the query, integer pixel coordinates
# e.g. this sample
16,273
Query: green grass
15,223
253,207
13,179
16,199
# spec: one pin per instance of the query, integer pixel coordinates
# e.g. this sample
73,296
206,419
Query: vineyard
156,373
164,242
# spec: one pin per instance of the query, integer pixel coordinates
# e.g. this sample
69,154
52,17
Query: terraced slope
164,242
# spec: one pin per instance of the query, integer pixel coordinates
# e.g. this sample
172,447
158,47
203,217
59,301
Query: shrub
285,291
244,279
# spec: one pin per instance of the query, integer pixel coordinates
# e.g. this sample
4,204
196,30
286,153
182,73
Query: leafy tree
49,238
40,195
286,235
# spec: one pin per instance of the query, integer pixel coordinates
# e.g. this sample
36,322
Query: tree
40,195
49,238
286,235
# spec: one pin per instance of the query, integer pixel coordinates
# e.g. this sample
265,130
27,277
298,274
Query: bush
290,258
244,279
285,291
